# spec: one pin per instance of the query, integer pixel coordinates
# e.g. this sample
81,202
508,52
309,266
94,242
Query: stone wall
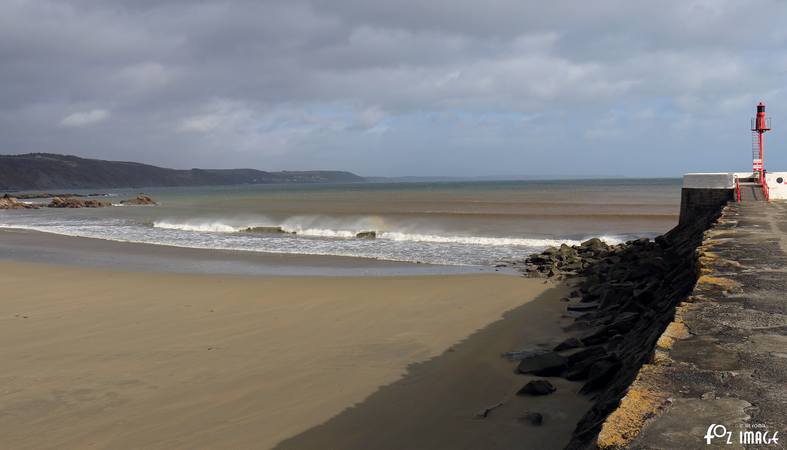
698,204
723,358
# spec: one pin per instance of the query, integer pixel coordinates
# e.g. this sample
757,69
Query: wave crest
219,227
214,227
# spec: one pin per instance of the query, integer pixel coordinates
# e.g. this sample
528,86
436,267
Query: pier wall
704,194
722,358
679,333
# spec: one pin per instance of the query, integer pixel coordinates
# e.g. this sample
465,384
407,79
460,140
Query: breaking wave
202,228
219,227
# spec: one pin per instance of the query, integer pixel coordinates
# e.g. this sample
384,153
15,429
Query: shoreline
18,244
159,360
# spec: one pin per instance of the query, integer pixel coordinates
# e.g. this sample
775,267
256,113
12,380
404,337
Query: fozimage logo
751,434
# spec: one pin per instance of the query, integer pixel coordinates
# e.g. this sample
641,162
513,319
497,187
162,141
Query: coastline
118,359
337,351
40,247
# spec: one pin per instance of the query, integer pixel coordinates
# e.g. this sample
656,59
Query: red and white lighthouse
759,125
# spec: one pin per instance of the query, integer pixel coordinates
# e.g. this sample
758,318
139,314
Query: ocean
468,223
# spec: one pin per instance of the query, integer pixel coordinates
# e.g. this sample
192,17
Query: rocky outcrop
624,299
367,235
565,261
140,199
265,230
50,195
70,202
536,388
8,202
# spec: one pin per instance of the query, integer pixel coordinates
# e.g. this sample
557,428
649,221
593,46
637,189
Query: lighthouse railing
766,125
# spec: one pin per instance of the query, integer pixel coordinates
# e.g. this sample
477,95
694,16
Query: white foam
220,227
214,227
475,240
321,232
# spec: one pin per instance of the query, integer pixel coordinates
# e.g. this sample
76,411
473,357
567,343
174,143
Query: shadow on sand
434,405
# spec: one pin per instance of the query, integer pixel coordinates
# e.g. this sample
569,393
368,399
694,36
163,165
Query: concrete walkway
723,360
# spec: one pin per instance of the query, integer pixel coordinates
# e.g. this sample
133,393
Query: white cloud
85,118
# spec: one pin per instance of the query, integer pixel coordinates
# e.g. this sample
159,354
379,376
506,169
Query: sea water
451,223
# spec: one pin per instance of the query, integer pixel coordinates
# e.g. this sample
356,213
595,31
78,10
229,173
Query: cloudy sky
407,87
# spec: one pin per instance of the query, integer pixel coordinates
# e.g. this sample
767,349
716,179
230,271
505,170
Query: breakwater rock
38,195
140,199
624,299
8,202
266,230
70,202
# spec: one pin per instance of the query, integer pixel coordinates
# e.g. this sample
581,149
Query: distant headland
33,171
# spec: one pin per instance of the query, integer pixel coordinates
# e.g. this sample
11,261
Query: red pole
762,145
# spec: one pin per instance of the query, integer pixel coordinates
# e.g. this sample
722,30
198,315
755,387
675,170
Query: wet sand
37,247
98,358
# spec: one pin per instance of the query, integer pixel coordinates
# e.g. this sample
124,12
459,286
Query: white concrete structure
777,182
720,180
777,185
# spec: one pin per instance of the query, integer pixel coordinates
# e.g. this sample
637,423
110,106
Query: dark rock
140,199
586,354
518,355
573,265
594,245
581,362
366,235
597,289
533,418
69,202
624,321
547,364
582,306
8,202
598,335
273,230
615,341
537,387
601,373
568,344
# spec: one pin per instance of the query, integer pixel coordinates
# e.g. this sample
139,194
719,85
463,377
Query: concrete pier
723,358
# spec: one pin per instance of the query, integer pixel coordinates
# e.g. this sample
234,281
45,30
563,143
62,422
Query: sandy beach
108,359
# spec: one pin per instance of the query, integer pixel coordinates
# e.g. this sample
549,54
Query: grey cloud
365,85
